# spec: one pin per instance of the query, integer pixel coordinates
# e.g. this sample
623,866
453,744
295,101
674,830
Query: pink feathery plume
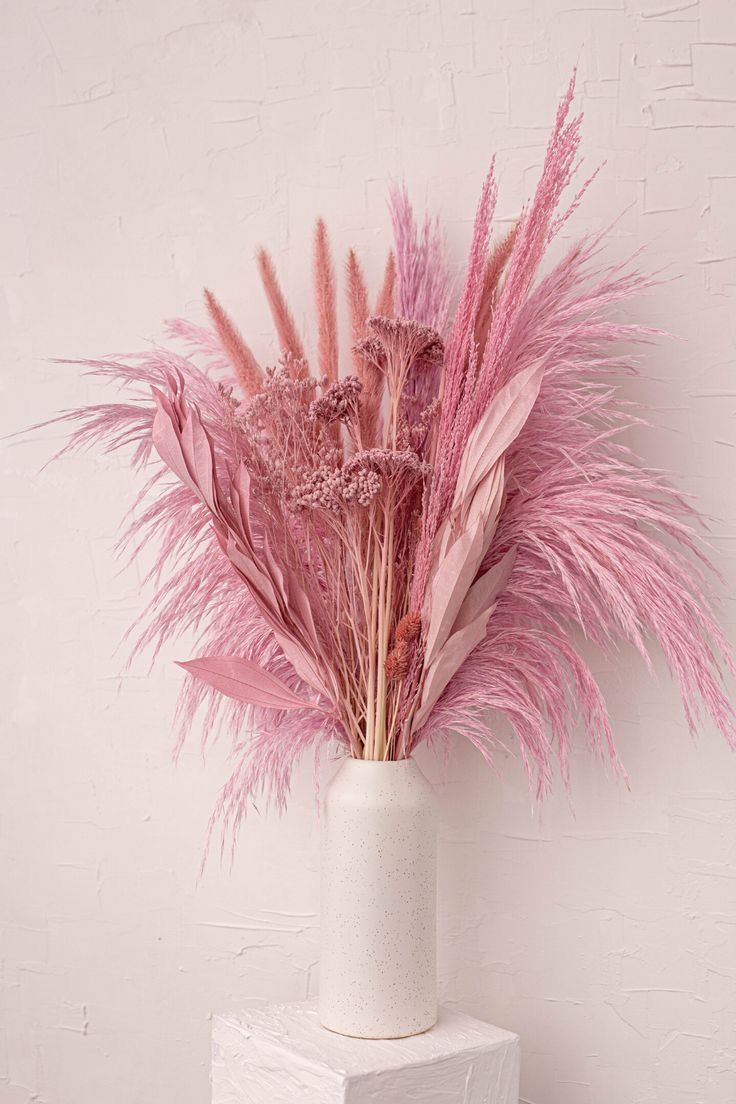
495,266
423,285
245,365
458,377
601,544
357,295
195,587
537,226
289,340
385,304
201,342
324,287
469,384
422,292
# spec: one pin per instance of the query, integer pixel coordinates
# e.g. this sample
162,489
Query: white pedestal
282,1055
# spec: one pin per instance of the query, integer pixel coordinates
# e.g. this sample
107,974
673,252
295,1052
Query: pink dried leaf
485,591
487,501
498,427
244,681
450,583
167,442
197,449
453,654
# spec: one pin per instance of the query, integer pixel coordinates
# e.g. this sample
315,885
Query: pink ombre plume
244,364
324,286
386,302
289,339
423,285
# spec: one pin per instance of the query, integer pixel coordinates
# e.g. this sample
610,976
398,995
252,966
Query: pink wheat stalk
357,293
385,304
245,365
324,285
289,340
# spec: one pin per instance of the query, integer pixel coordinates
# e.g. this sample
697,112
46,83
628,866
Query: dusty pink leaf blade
452,580
453,655
498,428
485,590
245,681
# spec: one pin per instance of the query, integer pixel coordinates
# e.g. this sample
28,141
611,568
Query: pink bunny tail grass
386,302
289,340
324,289
358,308
245,366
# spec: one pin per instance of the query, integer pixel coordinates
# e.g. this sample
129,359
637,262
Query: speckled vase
378,915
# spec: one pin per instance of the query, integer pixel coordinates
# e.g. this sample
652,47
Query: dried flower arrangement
382,556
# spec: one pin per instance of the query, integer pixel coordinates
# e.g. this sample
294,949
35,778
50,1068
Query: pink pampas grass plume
245,365
357,292
289,340
385,304
324,287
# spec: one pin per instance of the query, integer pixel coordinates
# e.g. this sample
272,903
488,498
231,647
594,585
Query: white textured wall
147,147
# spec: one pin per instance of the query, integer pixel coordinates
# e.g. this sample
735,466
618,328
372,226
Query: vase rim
408,761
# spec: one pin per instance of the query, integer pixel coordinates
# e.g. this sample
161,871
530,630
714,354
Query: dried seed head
398,661
408,627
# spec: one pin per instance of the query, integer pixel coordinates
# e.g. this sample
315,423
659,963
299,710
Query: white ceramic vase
378,912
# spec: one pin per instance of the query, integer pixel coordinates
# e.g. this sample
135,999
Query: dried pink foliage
602,544
390,556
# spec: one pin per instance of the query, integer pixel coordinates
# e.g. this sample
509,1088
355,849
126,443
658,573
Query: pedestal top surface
296,1028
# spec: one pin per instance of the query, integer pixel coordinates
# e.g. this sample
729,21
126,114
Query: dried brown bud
408,627
398,661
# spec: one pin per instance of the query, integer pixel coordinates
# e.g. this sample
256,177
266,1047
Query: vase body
378,901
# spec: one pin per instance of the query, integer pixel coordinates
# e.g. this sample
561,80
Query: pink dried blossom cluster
402,537
334,488
339,403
